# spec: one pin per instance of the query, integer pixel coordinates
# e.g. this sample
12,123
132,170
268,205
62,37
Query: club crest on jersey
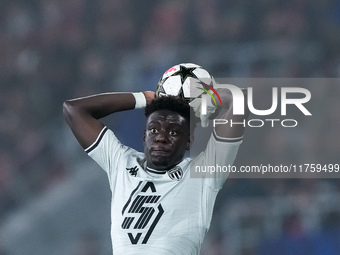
176,173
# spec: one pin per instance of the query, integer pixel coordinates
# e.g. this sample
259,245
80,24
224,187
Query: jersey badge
176,173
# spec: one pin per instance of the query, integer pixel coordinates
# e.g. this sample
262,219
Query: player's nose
161,137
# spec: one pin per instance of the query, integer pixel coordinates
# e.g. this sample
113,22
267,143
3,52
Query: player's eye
173,133
153,130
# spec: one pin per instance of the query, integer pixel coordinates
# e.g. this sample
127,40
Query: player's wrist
149,95
140,100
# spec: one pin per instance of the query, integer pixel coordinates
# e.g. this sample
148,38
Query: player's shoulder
99,139
107,143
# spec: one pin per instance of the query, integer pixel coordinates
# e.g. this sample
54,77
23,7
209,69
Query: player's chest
141,205
134,194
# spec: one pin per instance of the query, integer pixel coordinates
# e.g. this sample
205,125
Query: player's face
167,137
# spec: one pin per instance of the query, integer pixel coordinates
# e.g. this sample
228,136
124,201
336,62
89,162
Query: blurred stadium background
55,200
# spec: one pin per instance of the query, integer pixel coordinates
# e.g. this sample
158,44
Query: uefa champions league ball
185,80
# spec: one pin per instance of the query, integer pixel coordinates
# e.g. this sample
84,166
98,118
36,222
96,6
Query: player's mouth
160,151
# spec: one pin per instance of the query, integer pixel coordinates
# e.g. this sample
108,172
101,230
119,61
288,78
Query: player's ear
190,141
144,136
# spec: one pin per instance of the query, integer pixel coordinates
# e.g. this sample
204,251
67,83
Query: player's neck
155,171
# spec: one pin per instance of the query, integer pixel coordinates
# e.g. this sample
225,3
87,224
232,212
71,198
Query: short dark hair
175,104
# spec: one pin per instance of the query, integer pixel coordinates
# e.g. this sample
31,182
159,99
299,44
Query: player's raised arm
83,114
232,126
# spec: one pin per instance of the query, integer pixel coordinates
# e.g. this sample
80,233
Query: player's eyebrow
171,123
175,124
153,122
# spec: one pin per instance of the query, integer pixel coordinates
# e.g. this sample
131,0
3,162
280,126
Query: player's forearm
83,114
101,105
226,128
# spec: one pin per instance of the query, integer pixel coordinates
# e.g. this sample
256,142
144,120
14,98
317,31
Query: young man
156,207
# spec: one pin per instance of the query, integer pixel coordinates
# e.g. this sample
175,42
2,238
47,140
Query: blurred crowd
53,50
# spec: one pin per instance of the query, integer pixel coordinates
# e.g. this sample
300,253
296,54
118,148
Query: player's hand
149,96
196,104
227,97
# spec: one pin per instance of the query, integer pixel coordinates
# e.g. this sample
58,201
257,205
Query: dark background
55,200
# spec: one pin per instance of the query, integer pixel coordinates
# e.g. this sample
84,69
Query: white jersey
158,213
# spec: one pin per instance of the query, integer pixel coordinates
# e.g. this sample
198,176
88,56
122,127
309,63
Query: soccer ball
185,80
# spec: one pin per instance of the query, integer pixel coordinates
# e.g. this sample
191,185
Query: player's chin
160,163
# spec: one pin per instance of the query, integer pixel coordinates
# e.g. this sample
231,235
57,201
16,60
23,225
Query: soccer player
156,207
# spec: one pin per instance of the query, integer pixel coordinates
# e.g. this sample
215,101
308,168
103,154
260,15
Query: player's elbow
69,110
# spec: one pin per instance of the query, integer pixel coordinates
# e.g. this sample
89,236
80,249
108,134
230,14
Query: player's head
167,135
172,103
